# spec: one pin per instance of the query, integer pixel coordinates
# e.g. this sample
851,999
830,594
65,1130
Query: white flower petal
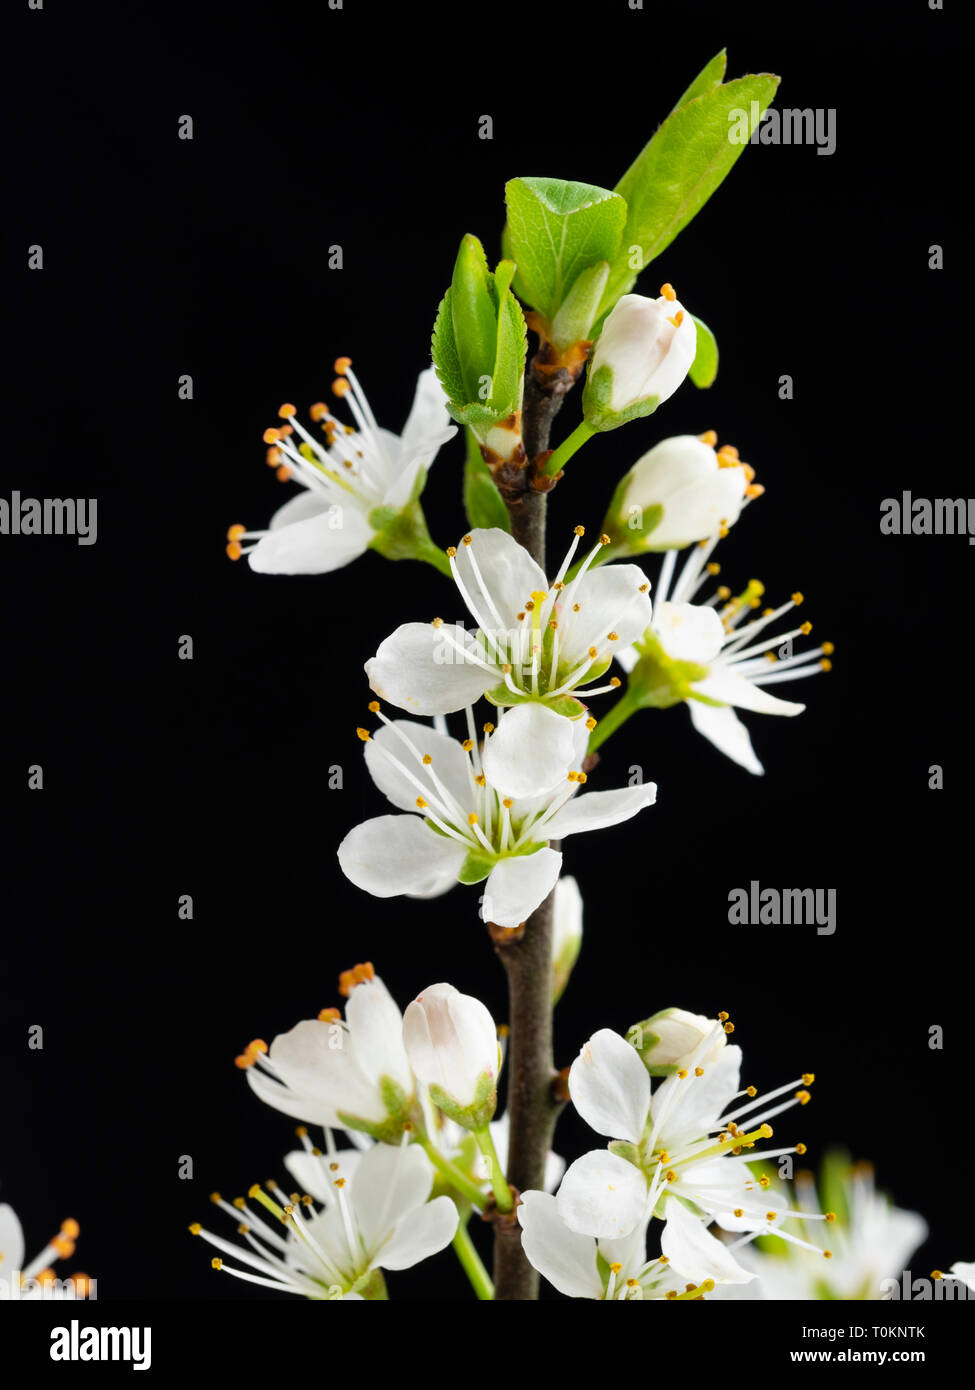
563,1257
507,569
696,1254
700,1101
389,1182
610,1087
450,764
689,631
11,1242
596,810
399,854
515,887
376,1029
602,1195
731,689
312,1108
428,416
609,600
420,1234
531,751
316,545
312,1175
722,727
417,669
310,1063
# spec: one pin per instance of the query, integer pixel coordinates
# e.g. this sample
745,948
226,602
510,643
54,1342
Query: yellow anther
770,1215
754,490
342,365
936,1274
215,1198
828,649
507,803
722,1016
593,653
709,437
421,804
216,1262
579,530
805,628
698,1071
488,728
615,681
472,818
239,1203
467,745
318,411
826,664
427,759
451,551
830,1216
572,776
481,780
364,734
591,723
576,607
713,568
800,1148
798,598
286,411
682,1074
751,1092
827,1254
615,1267
604,539
437,623
373,707
763,1181
668,292
466,540
739,1212
803,1097
723,591
234,550
340,387
195,1228
808,1077
235,532
271,436
670,1175
612,637
330,1015
729,1027
677,319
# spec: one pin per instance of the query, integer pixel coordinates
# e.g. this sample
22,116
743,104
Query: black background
210,777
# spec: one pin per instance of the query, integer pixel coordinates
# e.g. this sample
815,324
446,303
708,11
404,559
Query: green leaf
556,229
574,320
444,351
706,80
677,171
474,315
704,368
482,500
512,348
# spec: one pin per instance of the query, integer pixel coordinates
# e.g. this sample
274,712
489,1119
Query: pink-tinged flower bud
643,354
452,1043
672,1037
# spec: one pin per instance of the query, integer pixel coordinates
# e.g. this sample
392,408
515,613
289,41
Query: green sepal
704,368
481,1110
596,399
475,868
622,1148
658,681
400,1110
403,535
483,502
566,705
626,539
